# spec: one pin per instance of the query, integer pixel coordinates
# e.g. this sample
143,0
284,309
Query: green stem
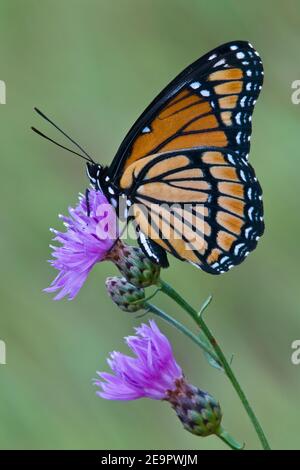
229,440
221,433
203,345
168,290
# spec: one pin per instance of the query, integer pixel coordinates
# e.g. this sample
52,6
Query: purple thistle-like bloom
152,373
86,241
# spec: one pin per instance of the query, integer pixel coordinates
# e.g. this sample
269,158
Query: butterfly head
94,172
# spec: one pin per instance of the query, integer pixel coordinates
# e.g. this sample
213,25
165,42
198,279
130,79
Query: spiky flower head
87,240
154,373
134,265
125,295
91,236
151,373
198,411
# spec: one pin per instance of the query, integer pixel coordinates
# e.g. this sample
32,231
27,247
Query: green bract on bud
198,411
125,295
134,265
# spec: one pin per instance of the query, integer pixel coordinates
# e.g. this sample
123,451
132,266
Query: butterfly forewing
208,104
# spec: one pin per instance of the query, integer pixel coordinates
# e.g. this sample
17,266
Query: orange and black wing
190,147
209,104
202,206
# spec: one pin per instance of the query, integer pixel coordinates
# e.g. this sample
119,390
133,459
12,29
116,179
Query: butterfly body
183,168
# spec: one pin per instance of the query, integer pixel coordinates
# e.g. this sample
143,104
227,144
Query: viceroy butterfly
186,158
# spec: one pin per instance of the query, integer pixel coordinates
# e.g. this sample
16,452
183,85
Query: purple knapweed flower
152,373
87,240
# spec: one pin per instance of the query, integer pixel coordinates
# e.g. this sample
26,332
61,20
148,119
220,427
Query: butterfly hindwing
203,206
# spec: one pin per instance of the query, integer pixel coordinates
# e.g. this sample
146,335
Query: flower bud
134,265
126,296
198,411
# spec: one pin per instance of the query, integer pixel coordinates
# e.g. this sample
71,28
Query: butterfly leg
88,207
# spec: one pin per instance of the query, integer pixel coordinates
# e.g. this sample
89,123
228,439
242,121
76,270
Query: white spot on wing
195,85
114,202
247,232
250,213
243,176
238,248
147,247
204,93
231,159
221,62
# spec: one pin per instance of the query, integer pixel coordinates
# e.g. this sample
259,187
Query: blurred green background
94,65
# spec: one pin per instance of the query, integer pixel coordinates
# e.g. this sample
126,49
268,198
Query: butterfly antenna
64,133
59,145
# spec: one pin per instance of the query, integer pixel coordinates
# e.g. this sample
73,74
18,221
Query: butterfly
182,173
